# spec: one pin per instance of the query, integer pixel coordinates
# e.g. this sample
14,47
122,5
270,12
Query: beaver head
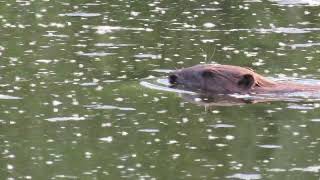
219,79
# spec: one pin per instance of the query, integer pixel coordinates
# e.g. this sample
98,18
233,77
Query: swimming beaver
227,79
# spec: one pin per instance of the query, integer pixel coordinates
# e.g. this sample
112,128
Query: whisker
205,55
211,58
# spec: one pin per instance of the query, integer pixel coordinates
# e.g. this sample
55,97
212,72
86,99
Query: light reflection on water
82,94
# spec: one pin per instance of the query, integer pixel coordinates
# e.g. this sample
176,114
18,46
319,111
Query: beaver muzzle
173,79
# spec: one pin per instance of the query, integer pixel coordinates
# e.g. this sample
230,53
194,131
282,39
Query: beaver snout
173,79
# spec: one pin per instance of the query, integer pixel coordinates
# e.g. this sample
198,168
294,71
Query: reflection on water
79,101
245,176
297,2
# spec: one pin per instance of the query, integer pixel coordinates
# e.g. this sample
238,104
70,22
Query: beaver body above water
227,79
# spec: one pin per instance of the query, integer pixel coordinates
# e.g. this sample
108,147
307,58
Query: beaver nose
173,79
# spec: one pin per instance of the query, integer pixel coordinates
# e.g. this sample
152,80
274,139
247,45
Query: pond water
75,105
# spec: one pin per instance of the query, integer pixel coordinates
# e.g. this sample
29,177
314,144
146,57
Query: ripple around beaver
162,84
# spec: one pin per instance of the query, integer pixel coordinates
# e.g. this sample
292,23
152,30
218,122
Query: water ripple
245,176
109,29
109,107
80,14
94,54
72,118
307,169
2,96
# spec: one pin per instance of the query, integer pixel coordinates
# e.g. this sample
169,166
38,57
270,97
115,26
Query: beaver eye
207,74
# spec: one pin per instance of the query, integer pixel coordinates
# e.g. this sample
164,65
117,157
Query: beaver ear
247,81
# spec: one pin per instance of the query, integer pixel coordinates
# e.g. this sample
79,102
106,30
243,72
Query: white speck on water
270,146
149,130
80,14
197,99
11,156
49,162
72,118
106,125
250,54
294,46
266,161
134,13
221,145
208,40
298,2
75,102
46,61
99,88
123,133
172,142
108,139
56,103
222,126
89,84
109,29
208,9
65,177
276,170
162,111
258,63
245,176
94,54
315,169
9,167
295,133
185,120
209,25
201,119
151,56
215,111
119,99
229,137
303,125
88,154
109,107
210,137
120,166
2,96
175,156
113,45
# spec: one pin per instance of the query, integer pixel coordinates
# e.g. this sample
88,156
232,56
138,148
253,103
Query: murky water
75,103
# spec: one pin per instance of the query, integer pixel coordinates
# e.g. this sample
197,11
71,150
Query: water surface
73,107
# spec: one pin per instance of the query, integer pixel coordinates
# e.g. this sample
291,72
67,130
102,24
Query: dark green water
72,106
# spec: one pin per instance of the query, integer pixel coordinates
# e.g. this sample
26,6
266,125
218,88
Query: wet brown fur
226,79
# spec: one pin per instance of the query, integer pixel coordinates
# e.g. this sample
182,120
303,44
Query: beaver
228,79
